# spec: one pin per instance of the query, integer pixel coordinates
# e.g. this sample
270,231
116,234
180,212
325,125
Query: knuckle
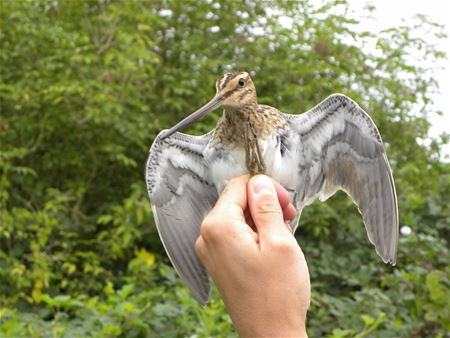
283,244
211,227
199,247
239,179
226,190
231,183
235,181
268,205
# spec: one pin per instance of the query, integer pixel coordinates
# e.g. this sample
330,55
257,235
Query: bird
333,146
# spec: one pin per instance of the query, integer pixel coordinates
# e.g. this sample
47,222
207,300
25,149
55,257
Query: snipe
335,145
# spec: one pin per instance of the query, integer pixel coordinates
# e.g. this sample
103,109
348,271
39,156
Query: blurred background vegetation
85,87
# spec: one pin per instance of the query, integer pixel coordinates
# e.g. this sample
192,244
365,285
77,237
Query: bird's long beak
210,106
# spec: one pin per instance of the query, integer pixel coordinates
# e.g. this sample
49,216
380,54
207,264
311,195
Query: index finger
227,217
235,193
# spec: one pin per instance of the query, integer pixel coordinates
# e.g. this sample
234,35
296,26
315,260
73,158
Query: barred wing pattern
181,194
340,148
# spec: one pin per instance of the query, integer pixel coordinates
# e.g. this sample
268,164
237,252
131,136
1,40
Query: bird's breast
277,150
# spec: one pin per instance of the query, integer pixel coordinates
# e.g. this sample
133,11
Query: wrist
270,331
281,324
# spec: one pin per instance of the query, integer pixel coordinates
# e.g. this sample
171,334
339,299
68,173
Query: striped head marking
236,90
233,91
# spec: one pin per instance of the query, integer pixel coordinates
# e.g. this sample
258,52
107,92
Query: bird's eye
241,82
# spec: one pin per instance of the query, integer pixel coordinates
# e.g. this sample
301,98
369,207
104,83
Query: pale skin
254,259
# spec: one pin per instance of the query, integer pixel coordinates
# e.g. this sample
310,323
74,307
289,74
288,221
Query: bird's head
236,90
233,91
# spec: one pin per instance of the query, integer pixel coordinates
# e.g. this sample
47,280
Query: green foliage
156,303
86,85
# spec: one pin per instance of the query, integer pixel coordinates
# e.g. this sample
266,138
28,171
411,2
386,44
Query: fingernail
262,185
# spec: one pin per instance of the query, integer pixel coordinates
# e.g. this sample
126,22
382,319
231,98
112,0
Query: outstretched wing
340,148
182,194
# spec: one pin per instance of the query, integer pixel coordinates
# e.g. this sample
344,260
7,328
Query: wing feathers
341,148
181,195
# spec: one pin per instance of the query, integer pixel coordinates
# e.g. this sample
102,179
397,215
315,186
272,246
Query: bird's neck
232,115
232,127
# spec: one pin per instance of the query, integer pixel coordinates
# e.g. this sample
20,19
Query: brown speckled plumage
244,121
231,129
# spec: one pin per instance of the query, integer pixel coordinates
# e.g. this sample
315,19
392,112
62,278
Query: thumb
264,206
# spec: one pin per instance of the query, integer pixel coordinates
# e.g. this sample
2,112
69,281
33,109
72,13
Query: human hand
257,265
